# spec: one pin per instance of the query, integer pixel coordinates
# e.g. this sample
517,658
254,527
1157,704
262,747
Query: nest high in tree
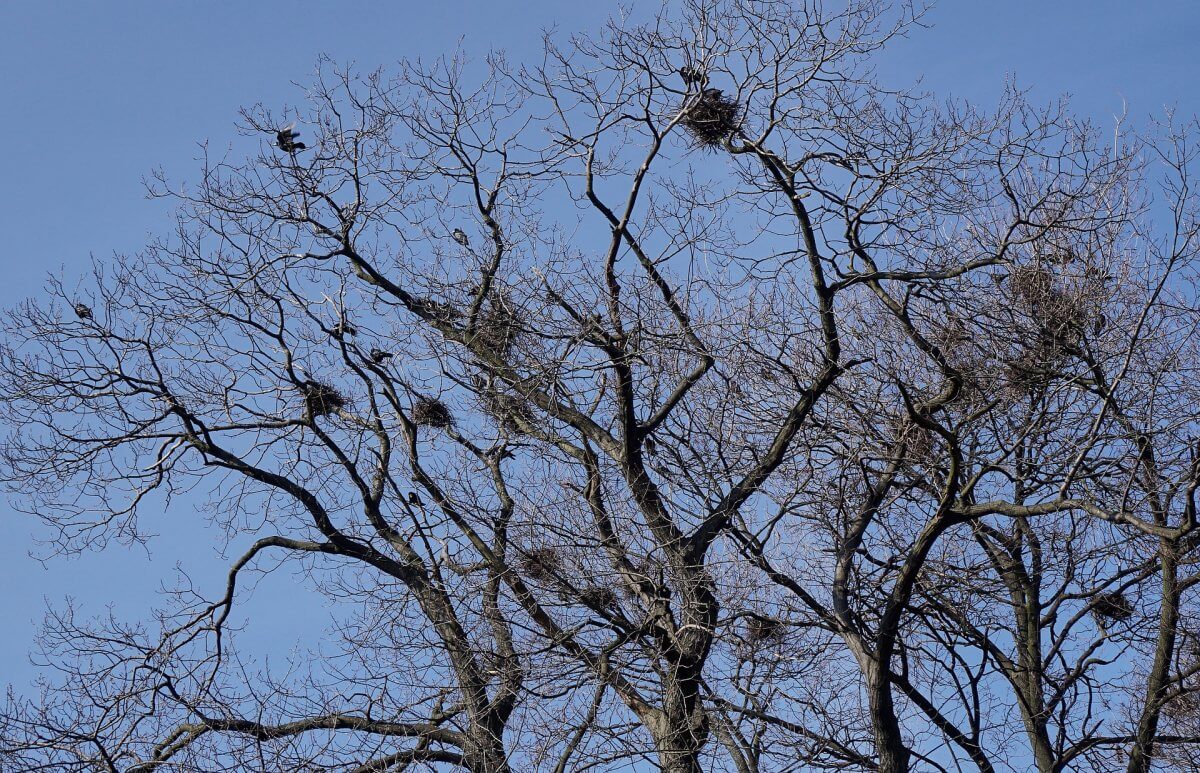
711,118
322,399
540,563
764,629
431,412
1113,606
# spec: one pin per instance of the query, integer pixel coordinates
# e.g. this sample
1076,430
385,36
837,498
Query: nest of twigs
711,117
322,399
1113,606
510,412
598,596
431,412
540,563
764,629
497,328
1061,315
437,310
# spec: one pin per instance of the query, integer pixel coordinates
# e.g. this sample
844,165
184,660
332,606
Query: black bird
460,237
414,499
692,76
285,138
379,355
82,311
344,328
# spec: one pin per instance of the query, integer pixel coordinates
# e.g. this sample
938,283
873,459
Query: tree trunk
889,743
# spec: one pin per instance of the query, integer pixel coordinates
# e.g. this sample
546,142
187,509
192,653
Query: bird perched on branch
285,138
693,76
82,311
414,499
461,237
379,355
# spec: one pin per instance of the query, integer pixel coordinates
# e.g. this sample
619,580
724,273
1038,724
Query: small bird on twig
461,237
285,138
414,499
82,311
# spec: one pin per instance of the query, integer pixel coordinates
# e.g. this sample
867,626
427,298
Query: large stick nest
711,117
431,412
1114,606
541,563
322,399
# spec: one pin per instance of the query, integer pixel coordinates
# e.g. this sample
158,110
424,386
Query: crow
82,311
379,355
460,237
693,75
414,499
344,328
285,138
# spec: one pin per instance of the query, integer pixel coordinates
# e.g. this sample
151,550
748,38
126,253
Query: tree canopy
687,398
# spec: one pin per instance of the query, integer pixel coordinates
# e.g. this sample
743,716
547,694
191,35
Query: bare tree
688,398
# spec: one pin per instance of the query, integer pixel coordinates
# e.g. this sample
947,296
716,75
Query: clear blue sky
95,94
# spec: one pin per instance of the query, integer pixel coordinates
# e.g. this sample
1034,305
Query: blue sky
96,94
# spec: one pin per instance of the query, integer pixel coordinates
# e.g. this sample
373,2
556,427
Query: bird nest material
510,413
431,412
764,629
436,310
711,117
322,399
497,328
540,563
1114,606
598,596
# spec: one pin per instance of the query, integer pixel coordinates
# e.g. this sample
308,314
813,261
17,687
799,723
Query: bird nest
1061,313
1114,606
322,399
711,117
431,412
540,563
510,412
764,629
598,597
497,328
436,310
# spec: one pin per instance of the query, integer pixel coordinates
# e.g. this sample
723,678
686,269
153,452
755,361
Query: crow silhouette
693,76
285,138
460,237
82,311
414,499
379,355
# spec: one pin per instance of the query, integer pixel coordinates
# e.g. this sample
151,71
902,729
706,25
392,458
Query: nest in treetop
508,411
497,328
438,311
1182,706
763,629
1060,315
598,596
431,412
322,399
540,563
711,117
1113,606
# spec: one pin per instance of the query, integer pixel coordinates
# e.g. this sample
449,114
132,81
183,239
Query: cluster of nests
543,564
